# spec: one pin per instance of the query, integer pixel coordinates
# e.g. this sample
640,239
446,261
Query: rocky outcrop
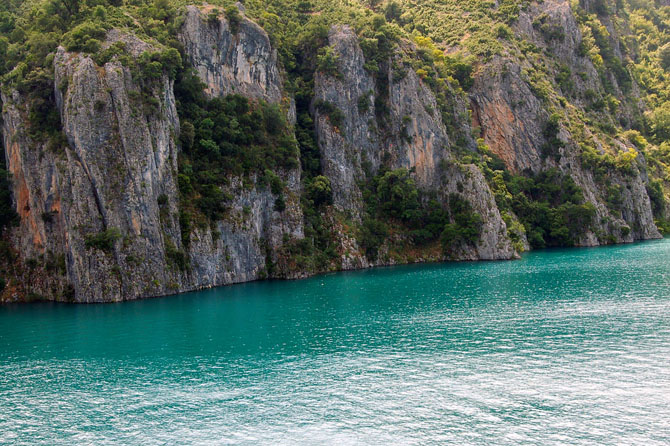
240,247
231,59
511,112
413,137
355,138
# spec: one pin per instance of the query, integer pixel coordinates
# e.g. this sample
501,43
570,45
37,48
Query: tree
6,22
326,61
234,18
664,55
393,11
320,191
66,9
660,122
398,194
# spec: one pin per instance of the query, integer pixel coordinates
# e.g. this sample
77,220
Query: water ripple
562,347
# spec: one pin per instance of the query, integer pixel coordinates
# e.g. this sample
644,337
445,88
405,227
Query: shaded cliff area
162,147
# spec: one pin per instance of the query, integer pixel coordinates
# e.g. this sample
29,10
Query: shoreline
320,273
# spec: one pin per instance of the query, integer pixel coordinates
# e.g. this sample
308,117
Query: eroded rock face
116,175
231,61
509,115
115,172
36,181
414,137
511,118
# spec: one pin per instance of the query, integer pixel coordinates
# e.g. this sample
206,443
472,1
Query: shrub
8,215
664,56
275,122
502,31
372,234
461,68
335,115
326,62
660,121
550,132
656,196
320,191
276,184
234,18
466,226
104,240
84,37
364,103
397,194
175,256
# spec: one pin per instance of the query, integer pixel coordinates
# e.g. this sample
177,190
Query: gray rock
242,63
415,138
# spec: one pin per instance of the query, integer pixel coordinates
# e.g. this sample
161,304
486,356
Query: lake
561,347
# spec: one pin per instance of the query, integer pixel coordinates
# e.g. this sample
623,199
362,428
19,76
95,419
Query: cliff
107,213
412,138
512,120
101,184
104,206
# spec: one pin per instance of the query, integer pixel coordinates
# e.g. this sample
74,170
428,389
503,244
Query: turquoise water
561,347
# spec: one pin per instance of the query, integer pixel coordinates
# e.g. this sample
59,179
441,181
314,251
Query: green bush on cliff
372,235
234,18
335,115
394,200
104,240
550,205
86,37
320,191
326,62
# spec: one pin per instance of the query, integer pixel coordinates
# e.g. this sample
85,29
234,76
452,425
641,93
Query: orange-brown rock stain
497,133
23,196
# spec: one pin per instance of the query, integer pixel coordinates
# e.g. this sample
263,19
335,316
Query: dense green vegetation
395,204
550,206
228,136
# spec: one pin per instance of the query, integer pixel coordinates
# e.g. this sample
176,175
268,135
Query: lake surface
561,347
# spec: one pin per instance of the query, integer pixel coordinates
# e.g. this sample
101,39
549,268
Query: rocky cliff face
228,60
512,116
99,208
103,207
413,137
105,179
